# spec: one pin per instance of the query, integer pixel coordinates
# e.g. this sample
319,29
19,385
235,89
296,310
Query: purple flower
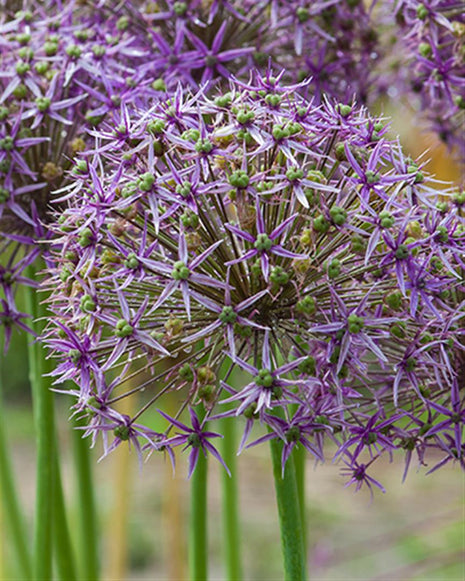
195,438
215,238
264,243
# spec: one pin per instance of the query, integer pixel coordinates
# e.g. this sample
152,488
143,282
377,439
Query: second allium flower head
258,232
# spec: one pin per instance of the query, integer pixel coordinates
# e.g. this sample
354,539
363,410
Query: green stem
88,530
289,515
50,517
10,502
42,399
62,541
230,502
300,455
198,540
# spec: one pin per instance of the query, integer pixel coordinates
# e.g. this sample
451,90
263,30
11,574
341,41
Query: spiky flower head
431,60
60,75
294,243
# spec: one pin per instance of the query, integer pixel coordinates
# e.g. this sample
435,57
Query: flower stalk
88,527
44,419
232,539
10,503
290,521
198,534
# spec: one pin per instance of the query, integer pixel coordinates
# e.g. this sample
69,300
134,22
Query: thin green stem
50,517
62,541
10,503
198,538
42,399
289,515
88,530
300,456
230,502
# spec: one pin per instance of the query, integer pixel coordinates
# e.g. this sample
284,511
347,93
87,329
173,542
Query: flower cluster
65,68
433,50
61,74
256,231
332,41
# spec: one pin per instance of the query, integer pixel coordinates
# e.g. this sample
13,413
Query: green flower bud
180,8
123,329
424,48
394,300
422,12
180,271
191,135
264,378
338,215
273,100
372,177
263,243
41,67
398,330
20,92
190,220
249,412
122,432
159,85
203,146
99,50
354,323
280,132
174,325
23,38
334,268
279,276
185,373
386,220
132,261
321,225
205,375
73,51
43,103
87,304
122,23
344,110
7,143
146,181
294,174
293,434
306,306
227,315
51,48
303,14
239,179
402,252
224,101
243,117
193,439
184,189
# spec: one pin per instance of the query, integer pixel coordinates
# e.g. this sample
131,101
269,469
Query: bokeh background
415,531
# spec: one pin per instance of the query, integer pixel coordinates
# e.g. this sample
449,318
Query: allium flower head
56,63
432,50
292,241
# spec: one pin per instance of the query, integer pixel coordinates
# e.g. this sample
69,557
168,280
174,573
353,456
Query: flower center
180,271
228,316
264,378
263,242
